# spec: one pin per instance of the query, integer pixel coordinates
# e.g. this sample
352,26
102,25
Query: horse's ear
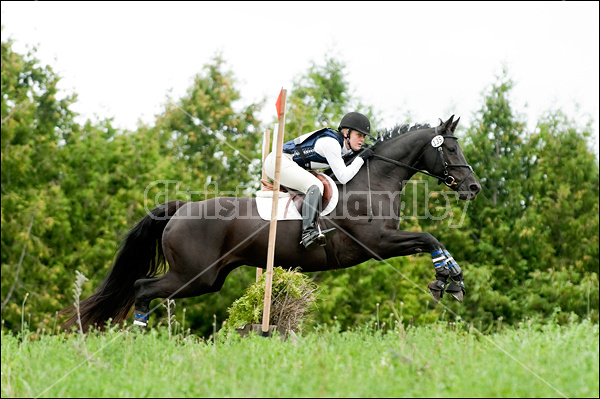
441,122
448,123
454,125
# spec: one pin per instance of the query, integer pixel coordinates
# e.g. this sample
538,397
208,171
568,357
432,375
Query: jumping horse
202,242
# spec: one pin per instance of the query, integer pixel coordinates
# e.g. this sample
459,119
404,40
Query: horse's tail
141,255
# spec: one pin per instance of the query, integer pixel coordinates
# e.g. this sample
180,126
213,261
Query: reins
369,197
390,160
447,178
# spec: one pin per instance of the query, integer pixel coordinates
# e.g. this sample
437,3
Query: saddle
297,196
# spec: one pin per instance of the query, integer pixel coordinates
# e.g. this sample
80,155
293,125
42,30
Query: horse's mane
388,134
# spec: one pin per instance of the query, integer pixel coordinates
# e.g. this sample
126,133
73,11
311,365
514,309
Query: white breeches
291,174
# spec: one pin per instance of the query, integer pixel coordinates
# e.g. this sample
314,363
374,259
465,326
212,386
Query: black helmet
356,121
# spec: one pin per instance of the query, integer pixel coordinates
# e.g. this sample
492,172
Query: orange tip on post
278,103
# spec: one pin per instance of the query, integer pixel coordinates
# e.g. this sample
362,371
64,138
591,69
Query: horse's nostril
474,187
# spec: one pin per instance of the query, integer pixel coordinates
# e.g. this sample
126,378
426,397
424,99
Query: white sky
423,59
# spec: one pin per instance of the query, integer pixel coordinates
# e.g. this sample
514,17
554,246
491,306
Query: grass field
434,361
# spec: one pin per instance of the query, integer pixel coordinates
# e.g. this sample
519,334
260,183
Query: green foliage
291,291
533,230
528,245
215,148
34,121
563,187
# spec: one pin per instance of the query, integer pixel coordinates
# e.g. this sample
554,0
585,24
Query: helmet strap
347,137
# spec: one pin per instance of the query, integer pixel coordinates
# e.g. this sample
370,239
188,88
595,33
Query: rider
318,150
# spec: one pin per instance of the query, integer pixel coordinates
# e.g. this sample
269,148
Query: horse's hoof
457,295
435,293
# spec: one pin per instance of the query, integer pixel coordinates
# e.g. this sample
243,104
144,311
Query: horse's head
444,158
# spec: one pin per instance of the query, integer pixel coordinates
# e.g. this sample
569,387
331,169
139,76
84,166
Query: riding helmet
356,121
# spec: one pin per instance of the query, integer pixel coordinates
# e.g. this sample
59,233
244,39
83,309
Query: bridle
447,179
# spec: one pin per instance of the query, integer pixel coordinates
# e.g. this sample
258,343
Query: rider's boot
311,233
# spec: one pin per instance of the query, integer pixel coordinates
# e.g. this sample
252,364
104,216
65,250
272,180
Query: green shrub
292,295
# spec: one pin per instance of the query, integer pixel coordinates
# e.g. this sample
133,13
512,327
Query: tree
533,229
492,147
562,191
34,119
558,232
211,140
320,98
70,192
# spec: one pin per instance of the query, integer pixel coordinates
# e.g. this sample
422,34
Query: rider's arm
329,148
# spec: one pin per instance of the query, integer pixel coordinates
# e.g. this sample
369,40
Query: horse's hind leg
173,285
167,286
143,296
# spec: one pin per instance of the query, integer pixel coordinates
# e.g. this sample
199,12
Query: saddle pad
286,210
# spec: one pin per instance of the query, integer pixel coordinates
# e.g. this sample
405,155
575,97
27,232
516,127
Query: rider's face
356,140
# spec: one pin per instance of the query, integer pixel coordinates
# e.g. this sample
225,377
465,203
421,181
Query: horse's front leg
448,274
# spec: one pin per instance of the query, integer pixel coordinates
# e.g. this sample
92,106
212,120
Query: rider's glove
366,153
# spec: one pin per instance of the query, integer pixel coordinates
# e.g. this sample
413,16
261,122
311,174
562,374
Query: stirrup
324,235
310,239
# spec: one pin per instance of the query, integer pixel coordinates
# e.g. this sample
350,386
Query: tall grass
438,360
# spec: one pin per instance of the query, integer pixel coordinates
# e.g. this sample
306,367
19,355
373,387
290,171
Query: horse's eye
452,149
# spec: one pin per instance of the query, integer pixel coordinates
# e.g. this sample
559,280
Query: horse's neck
408,146
408,149
381,180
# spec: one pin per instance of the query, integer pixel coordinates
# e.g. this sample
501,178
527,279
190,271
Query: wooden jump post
273,227
266,149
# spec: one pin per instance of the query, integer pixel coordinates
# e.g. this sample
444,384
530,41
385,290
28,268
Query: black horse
202,242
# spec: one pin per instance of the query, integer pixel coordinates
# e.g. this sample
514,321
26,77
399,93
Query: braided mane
384,136
388,134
